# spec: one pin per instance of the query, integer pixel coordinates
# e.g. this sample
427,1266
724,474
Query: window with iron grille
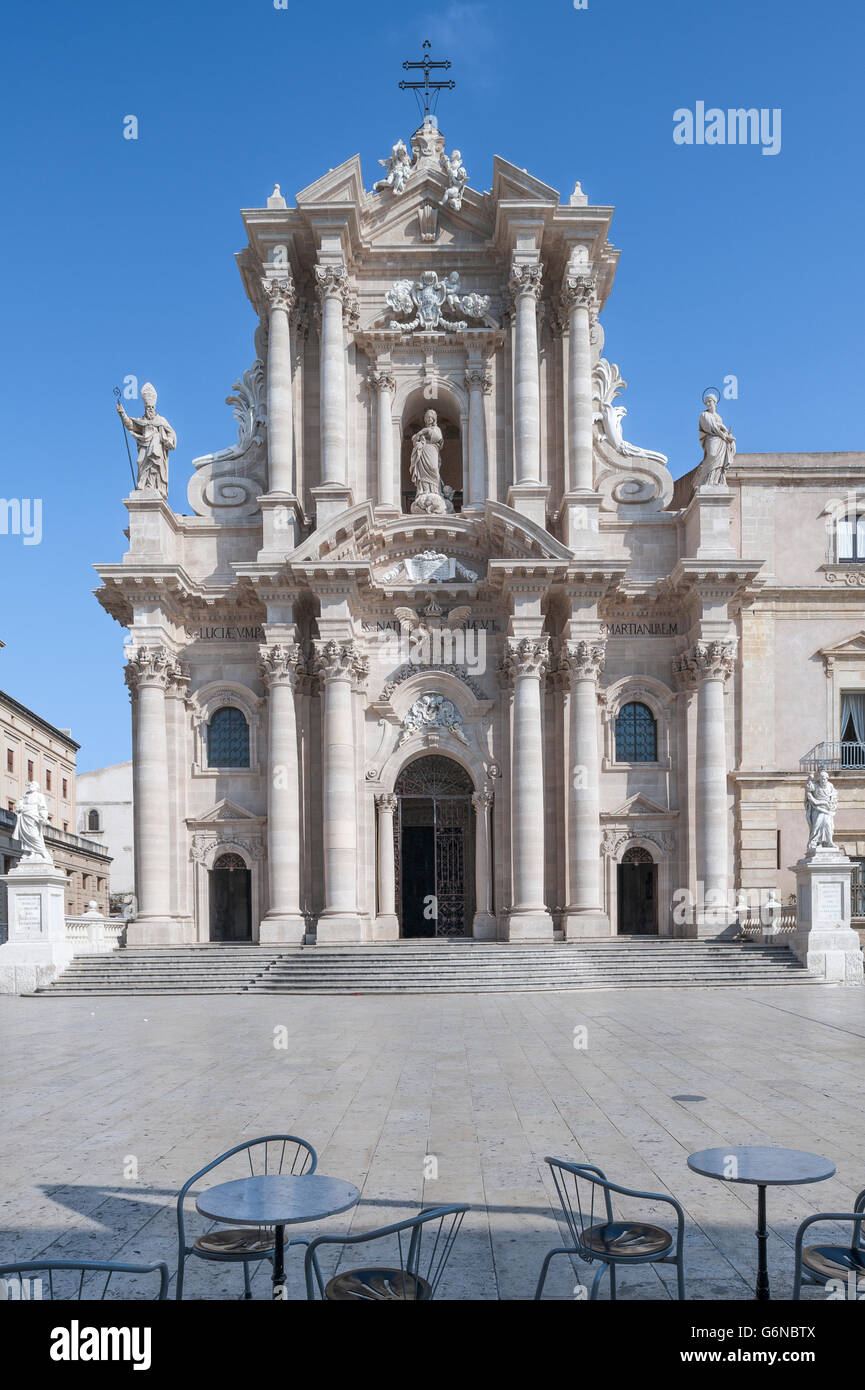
228,738
636,734
857,888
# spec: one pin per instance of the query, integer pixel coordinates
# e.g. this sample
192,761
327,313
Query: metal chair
239,1244
28,1268
818,1264
584,1192
421,1258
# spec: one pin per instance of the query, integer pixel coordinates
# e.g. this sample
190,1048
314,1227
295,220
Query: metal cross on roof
427,92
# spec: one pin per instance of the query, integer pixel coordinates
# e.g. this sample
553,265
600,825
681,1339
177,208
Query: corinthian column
387,922
525,286
280,297
709,664
577,295
584,914
332,284
148,674
479,383
283,921
529,919
340,667
484,924
381,379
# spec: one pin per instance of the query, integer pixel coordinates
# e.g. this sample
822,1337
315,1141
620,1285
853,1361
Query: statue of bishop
155,439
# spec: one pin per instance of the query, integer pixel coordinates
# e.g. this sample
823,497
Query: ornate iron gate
436,792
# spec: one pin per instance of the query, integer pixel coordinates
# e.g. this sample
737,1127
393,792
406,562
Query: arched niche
451,422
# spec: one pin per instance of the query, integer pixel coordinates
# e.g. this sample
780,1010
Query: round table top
766,1166
277,1199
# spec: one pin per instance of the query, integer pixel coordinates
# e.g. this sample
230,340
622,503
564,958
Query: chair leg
247,1287
560,1250
612,1269
680,1277
596,1282
181,1265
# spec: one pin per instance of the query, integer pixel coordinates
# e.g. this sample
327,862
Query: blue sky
118,254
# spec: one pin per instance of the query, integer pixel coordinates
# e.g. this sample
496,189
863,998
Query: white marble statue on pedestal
31,815
821,804
457,180
155,439
719,445
426,447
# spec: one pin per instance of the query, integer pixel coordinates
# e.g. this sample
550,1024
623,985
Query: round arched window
93,820
228,738
636,734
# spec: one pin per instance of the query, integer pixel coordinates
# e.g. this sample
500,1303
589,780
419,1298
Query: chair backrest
584,1192
72,1279
272,1153
422,1245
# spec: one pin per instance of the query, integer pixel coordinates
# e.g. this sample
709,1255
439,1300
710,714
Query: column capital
526,656
578,291
583,661
479,379
279,664
381,379
331,282
526,279
482,801
704,661
155,667
340,661
279,292
387,803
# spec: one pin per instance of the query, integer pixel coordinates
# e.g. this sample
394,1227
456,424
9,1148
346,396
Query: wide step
441,968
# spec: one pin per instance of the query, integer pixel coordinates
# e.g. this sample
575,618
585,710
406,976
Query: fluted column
479,382
578,294
525,286
529,918
484,924
709,665
382,381
283,921
332,285
340,666
280,296
584,913
148,673
386,923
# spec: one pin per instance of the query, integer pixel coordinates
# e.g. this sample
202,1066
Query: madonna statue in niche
426,447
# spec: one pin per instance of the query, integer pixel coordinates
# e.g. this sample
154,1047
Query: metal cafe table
762,1167
278,1200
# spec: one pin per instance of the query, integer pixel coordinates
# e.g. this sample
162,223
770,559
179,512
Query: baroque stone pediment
851,649
224,810
638,805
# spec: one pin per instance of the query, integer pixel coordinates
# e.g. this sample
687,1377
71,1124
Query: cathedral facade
437,651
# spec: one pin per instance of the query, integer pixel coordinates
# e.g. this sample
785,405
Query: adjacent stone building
489,673
32,750
104,798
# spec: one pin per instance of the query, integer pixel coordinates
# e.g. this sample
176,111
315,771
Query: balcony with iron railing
834,757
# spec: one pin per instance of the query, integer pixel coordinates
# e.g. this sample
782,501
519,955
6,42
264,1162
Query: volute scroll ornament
626,475
226,485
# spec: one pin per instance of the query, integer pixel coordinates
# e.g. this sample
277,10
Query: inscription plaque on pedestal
29,915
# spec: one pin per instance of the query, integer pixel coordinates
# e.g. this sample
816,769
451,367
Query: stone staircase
431,967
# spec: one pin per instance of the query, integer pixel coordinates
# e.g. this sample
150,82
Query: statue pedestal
37,948
707,523
824,939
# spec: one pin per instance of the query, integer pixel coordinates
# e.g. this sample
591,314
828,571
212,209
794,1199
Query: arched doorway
434,846
230,899
638,893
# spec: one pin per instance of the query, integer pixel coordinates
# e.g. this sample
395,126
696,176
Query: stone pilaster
283,921
529,919
148,673
340,667
484,924
479,383
582,663
386,922
334,494
528,494
708,665
382,382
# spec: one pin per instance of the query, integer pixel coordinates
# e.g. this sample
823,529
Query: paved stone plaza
486,1085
